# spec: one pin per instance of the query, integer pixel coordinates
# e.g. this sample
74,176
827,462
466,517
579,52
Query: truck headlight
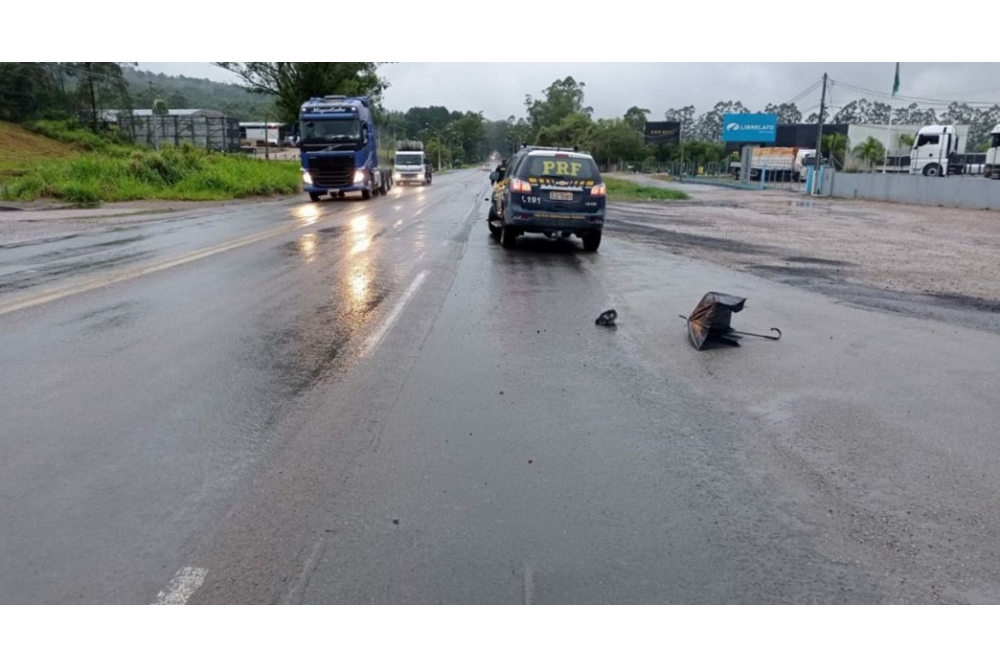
307,177
359,176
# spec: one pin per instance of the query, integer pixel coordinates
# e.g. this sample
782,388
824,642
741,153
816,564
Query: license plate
561,196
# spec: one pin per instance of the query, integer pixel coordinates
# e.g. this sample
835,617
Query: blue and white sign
756,127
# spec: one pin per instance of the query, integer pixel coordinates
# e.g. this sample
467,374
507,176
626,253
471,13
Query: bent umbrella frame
711,321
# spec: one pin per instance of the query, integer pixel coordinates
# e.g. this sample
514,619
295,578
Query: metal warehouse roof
180,112
111,115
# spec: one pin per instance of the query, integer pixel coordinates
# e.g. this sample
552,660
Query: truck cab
932,150
992,167
337,146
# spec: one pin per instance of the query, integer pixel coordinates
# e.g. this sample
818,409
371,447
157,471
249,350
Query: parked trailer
776,163
260,134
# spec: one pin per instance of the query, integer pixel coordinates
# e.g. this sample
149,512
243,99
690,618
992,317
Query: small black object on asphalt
607,318
709,322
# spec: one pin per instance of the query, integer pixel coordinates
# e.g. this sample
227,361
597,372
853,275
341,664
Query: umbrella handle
745,333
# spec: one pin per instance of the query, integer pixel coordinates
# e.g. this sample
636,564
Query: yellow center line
135,272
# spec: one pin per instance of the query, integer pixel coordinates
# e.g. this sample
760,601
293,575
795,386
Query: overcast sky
498,89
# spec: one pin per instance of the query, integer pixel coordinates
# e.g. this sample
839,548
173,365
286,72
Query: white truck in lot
939,150
776,163
410,164
992,167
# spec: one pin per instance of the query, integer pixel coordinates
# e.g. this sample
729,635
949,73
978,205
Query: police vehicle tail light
517,185
359,176
599,190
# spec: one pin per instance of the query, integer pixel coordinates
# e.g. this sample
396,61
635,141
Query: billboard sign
661,133
750,127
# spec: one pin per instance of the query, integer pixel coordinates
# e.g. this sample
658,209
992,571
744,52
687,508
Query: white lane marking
182,586
376,338
295,593
135,272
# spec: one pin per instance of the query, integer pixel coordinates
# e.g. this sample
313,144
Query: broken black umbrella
711,318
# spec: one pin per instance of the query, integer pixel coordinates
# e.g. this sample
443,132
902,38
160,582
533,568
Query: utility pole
93,95
819,138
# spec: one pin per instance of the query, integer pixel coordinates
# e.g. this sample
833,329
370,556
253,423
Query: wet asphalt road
373,402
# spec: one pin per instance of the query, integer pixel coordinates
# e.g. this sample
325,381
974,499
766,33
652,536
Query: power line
805,92
910,98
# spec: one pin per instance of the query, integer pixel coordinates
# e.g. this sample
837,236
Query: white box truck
409,164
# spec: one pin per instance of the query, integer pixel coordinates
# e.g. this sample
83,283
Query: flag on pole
895,82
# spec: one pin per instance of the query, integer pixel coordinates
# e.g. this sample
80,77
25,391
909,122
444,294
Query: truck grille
331,172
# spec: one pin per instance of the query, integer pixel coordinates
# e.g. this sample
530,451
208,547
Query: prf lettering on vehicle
560,168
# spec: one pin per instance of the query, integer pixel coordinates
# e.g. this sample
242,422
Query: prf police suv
553,191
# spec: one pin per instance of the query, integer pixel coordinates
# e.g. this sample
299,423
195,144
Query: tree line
32,91
708,125
559,116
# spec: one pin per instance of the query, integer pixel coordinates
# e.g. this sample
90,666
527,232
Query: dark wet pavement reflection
170,385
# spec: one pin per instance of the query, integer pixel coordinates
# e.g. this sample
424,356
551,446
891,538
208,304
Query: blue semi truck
338,148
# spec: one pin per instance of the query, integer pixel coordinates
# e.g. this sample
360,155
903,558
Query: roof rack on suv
574,149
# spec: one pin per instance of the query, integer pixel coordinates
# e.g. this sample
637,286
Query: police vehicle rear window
555,166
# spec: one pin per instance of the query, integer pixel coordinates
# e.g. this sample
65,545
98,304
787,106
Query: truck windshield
344,131
414,159
995,140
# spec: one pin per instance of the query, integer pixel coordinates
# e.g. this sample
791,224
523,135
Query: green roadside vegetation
21,149
75,165
619,189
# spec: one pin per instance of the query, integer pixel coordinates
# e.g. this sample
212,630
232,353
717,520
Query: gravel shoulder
927,261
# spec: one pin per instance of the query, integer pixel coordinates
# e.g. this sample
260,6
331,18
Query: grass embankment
20,150
96,170
622,190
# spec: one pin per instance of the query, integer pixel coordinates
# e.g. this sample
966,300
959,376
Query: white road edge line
472,208
529,584
376,338
182,586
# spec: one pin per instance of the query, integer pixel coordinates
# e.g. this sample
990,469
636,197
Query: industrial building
803,135
203,128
